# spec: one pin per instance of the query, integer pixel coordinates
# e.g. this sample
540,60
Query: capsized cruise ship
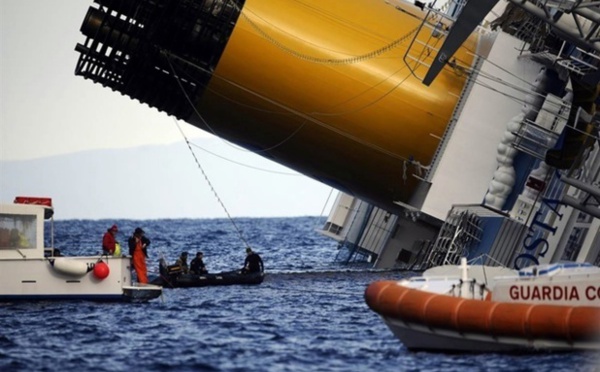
452,129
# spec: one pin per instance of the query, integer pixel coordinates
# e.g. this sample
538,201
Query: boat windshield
17,231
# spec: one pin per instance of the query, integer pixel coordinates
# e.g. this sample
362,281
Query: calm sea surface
308,315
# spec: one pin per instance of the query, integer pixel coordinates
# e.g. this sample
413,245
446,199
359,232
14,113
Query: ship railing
580,61
575,187
486,259
583,191
573,58
583,15
430,36
461,230
534,139
533,32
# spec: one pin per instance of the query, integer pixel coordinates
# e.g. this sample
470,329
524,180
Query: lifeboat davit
433,321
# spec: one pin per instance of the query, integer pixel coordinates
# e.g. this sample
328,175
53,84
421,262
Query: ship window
332,228
574,243
404,256
17,231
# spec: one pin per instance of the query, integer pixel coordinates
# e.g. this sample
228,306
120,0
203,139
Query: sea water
308,315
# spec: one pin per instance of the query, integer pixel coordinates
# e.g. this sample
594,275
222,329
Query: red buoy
101,270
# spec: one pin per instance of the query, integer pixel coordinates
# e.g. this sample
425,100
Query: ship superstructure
458,129
515,179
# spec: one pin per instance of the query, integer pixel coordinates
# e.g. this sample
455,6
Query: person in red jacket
109,241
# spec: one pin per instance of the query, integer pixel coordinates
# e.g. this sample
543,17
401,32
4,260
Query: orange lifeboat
426,320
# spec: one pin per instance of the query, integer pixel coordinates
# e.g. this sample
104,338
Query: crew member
138,244
109,241
182,262
197,265
253,262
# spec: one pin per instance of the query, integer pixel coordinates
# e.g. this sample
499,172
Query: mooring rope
187,142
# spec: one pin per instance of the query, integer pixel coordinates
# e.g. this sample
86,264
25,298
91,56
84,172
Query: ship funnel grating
129,45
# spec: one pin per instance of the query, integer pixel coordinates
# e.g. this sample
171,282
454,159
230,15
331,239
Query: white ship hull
419,337
39,279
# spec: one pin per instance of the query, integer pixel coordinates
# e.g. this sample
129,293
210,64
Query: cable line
210,184
242,164
307,117
328,61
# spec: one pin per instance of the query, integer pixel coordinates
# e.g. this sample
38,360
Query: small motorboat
553,307
30,271
173,277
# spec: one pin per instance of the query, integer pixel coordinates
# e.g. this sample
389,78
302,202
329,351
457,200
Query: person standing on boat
253,263
109,241
197,265
138,244
182,262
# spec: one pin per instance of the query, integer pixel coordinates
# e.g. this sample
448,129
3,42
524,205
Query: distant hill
162,181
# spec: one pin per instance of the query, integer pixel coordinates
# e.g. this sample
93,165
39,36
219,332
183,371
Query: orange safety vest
139,262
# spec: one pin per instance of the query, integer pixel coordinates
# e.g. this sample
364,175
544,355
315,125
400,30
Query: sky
50,117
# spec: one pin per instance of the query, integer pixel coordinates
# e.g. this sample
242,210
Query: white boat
544,307
29,271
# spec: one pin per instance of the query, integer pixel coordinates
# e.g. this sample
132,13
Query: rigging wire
541,94
168,55
210,184
331,16
328,61
341,103
186,95
512,86
326,202
206,122
227,98
366,56
355,59
316,113
242,164
352,111
490,76
500,81
283,141
512,97
291,110
504,70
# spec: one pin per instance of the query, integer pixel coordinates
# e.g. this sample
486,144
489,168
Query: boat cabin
22,227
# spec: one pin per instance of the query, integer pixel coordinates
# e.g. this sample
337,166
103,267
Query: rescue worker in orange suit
138,244
109,241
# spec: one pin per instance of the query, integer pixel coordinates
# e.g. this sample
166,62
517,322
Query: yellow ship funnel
318,86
